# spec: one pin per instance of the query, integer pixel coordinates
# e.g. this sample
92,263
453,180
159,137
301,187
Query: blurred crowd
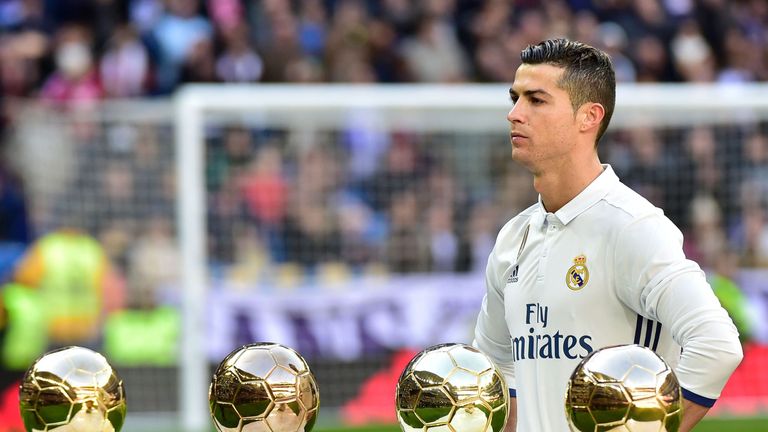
284,205
380,200
435,203
83,50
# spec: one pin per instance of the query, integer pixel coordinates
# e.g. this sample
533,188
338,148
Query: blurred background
354,238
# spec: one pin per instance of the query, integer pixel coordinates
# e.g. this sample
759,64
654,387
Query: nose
515,114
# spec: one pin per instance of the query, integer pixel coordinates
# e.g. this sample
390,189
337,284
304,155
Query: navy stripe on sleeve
701,400
512,393
656,336
638,329
648,331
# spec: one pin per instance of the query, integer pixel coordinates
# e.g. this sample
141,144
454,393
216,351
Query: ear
591,114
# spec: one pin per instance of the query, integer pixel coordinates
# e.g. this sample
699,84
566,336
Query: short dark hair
588,74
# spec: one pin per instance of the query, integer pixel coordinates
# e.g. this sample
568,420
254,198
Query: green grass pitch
719,424
710,425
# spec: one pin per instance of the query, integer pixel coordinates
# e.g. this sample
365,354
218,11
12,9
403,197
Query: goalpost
450,109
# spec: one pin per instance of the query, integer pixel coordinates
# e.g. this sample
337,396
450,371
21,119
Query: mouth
517,137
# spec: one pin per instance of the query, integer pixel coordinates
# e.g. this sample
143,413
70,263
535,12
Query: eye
536,101
513,99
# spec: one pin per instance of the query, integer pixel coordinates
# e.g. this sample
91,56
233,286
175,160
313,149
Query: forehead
537,76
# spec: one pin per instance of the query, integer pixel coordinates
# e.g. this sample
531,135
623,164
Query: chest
559,271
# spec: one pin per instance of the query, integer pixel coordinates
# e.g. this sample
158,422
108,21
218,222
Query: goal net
352,223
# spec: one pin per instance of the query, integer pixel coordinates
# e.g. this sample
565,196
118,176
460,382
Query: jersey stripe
652,332
656,337
638,329
648,332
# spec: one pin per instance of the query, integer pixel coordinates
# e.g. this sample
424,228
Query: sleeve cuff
701,400
512,393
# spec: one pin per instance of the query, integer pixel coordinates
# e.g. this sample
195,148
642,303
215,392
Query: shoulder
639,224
504,253
630,203
630,210
510,235
516,226
629,223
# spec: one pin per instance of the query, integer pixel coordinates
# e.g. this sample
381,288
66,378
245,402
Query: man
71,270
592,264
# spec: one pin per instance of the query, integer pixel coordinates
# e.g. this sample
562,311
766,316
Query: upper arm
654,278
648,254
491,332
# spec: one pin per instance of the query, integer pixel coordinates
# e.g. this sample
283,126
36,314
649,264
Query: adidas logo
513,276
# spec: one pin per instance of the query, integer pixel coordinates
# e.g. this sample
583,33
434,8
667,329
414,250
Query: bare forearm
692,414
512,416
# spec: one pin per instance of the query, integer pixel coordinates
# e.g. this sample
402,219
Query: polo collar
593,193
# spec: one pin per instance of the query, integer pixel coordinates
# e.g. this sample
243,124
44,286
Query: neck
560,185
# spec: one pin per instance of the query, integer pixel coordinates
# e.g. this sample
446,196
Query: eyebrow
532,92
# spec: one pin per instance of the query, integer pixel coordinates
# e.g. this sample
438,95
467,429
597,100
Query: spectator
692,55
751,237
125,65
755,170
81,286
443,240
313,27
348,41
613,39
700,171
230,158
279,42
180,30
407,250
434,54
401,170
145,14
264,188
652,60
649,169
21,55
14,222
239,62
361,232
723,279
742,57
227,220
311,234
153,263
706,237
480,236
200,64
226,15
75,80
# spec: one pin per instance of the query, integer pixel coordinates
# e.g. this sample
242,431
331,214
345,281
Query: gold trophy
72,389
624,388
263,387
451,387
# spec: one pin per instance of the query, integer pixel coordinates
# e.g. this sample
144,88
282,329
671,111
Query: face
543,127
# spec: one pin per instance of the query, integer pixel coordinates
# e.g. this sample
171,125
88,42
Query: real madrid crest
578,275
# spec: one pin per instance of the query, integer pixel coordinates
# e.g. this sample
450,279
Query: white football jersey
606,269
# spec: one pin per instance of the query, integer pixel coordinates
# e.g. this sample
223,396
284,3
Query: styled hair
588,74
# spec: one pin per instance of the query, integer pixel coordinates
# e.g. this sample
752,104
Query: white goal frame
452,107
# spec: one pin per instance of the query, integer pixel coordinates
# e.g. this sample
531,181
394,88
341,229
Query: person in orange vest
72,272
